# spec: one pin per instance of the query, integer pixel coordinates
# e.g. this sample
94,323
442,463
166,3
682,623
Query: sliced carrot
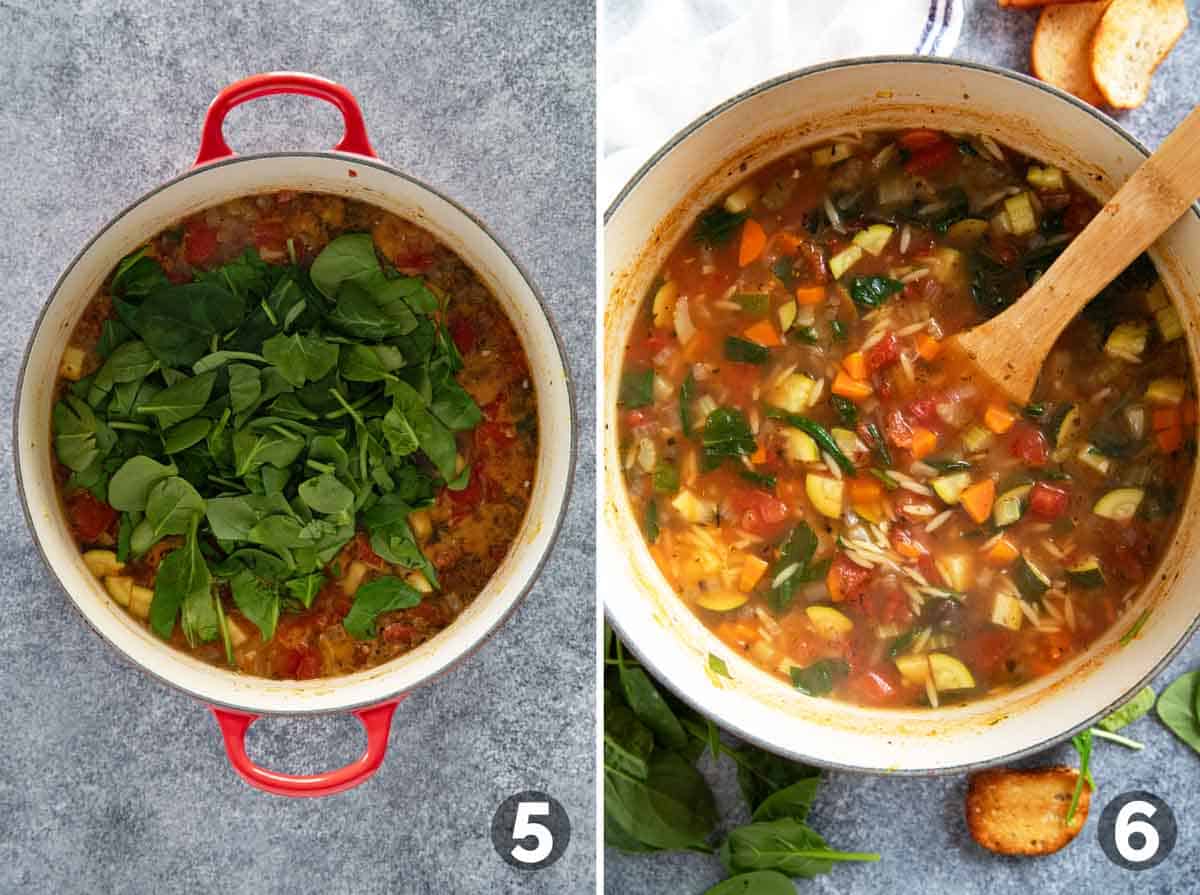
737,634
924,443
855,364
998,419
810,295
1001,553
846,387
788,242
752,571
754,240
759,455
1169,440
833,583
865,490
977,500
928,347
1188,410
698,346
1166,418
764,334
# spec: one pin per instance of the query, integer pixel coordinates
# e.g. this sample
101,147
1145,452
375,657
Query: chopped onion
684,328
835,219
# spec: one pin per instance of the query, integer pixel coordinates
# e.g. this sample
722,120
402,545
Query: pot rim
535,291
682,135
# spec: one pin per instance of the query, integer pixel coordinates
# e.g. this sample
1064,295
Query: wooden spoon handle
1013,345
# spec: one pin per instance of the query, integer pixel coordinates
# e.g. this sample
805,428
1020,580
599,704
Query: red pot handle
376,721
212,140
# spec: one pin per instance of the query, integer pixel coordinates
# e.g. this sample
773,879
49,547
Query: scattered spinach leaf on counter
1141,703
1179,708
655,799
1083,745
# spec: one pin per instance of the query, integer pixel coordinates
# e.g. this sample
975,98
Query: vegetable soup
294,435
826,486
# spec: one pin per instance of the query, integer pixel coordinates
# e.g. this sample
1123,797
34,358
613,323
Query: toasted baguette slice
1061,52
1024,812
1131,39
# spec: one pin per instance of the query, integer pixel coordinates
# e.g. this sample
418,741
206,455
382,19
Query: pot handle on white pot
212,140
376,721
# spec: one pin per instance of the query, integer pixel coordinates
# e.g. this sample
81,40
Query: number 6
523,828
1125,828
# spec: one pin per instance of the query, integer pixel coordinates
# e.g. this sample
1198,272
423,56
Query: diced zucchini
831,155
664,304
1065,425
1127,341
1010,505
1021,218
1006,611
950,487
914,669
1119,505
102,563
844,260
1047,178
948,266
976,438
1169,325
787,316
956,567
139,601
949,673
965,234
741,198
848,442
828,622
874,239
799,447
1087,574
694,509
71,365
1031,581
793,393
1165,391
722,600
119,588
1091,456
825,493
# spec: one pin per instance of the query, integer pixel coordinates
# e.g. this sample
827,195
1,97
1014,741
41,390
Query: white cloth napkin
666,62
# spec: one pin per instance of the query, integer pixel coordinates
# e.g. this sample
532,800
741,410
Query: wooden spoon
1010,348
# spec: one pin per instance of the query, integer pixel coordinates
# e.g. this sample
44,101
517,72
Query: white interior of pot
352,178
641,231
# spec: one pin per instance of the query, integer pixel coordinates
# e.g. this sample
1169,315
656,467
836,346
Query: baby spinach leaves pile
655,799
260,412
1179,708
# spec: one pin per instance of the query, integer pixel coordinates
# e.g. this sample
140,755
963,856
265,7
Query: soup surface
294,435
837,500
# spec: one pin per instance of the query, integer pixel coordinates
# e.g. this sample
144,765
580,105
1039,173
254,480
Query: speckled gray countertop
917,824
112,782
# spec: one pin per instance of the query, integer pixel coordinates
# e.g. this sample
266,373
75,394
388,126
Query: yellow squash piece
828,622
949,673
722,600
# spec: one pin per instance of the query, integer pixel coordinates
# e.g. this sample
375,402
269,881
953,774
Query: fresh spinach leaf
686,391
873,292
325,494
792,801
818,678
1177,708
744,351
374,598
182,576
258,599
727,434
794,567
130,487
717,226
786,845
758,882
178,322
171,506
1141,703
672,807
637,388
300,358
179,402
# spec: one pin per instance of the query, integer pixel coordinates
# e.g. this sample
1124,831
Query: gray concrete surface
917,824
112,782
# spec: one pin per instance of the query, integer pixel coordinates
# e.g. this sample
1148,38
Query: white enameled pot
351,171
647,220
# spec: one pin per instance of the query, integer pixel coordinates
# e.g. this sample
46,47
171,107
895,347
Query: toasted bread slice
1062,48
1025,812
1131,39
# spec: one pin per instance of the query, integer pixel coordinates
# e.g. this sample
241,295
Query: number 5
1125,828
523,828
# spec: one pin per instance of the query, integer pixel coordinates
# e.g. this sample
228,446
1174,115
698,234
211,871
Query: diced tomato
985,652
309,666
463,334
884,603
296,663
921,138
759,513
639,416
875,686
89,517
199,241
414,262
931,158
1048,502
924,409
899,430
1029,445
846,579
884,352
